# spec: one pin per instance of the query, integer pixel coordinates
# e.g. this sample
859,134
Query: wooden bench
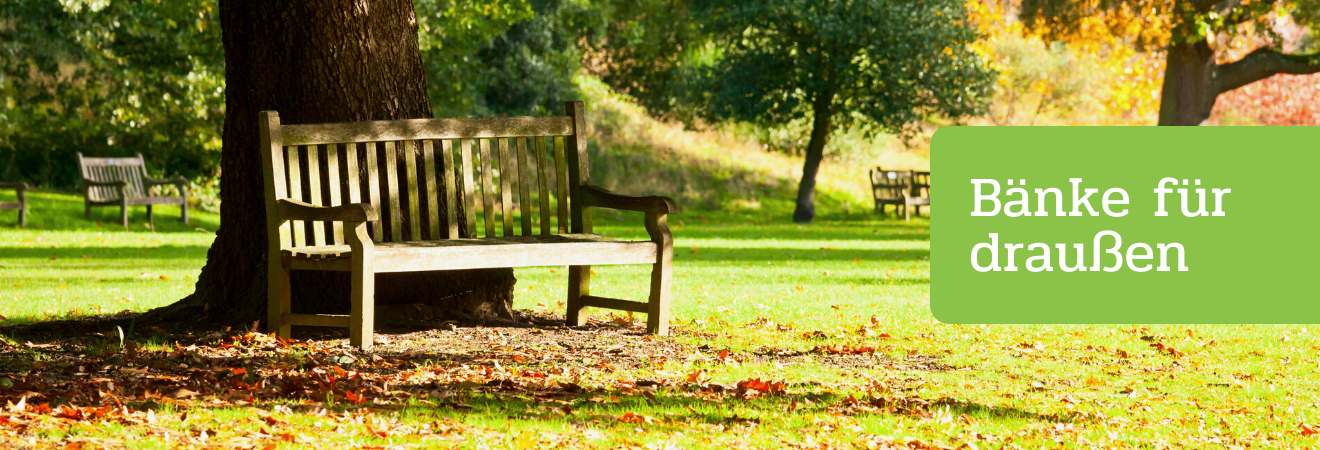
21,205
384,196
124,182
901,188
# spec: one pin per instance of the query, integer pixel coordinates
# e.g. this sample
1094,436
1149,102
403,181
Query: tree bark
821,126
1189,91
1192,80
316,61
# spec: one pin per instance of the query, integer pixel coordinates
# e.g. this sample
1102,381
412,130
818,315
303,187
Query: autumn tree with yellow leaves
1193,35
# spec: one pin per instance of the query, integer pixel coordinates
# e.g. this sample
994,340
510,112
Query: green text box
1257,263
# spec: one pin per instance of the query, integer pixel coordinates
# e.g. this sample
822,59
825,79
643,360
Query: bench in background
124,182
21,205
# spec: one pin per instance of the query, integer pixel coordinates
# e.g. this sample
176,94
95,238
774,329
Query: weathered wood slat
579,167
314,191
391,173
488,205
450,192
295,192
469,197
525,206
335,189
517,251
508,171
396,130
614,303
272,154
561,176
433,198
543,184
352,174
412,191
373,190
315,320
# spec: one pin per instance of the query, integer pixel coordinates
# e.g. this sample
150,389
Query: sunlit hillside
720,169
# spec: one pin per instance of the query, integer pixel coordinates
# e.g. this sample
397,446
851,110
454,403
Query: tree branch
1261,64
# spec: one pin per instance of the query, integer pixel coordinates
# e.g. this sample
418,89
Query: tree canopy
1195,36
878,64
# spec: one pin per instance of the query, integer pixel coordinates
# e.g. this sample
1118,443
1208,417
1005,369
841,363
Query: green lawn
837,311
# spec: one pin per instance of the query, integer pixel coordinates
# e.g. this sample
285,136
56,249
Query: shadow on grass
782,255
64,255
226,370
58,211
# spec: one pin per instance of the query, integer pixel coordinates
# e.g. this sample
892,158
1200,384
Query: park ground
784,335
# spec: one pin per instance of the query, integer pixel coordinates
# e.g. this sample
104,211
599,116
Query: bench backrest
889,184
517,174
113,169
920,184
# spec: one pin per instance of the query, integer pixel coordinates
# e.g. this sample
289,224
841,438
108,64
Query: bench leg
579,284
87,210
907,213
184,206
277,298
657,307
151,218
362,318
123,213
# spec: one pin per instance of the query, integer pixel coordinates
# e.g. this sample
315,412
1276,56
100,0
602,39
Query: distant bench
374,197
906,188
124,182
21,205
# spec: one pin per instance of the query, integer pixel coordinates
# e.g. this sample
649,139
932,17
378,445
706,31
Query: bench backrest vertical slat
508,174
412,190
373,190
487,189
434,199
450,190
525,206
314,192
394,229
543,183
295,192
561,177
334,189
579,167
469,188
353,174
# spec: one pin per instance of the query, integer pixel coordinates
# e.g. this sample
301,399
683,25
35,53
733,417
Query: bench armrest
600,198
16,186
357,212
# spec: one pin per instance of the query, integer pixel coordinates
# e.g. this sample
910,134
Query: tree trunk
821,125
1190,88
316,61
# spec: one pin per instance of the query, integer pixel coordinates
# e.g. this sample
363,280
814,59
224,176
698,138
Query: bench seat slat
514,251
398,130
10,205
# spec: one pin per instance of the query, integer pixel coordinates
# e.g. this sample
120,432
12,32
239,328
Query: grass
837,311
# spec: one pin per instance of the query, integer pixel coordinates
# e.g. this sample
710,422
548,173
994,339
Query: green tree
109,78
503,57
876,64
1193,75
